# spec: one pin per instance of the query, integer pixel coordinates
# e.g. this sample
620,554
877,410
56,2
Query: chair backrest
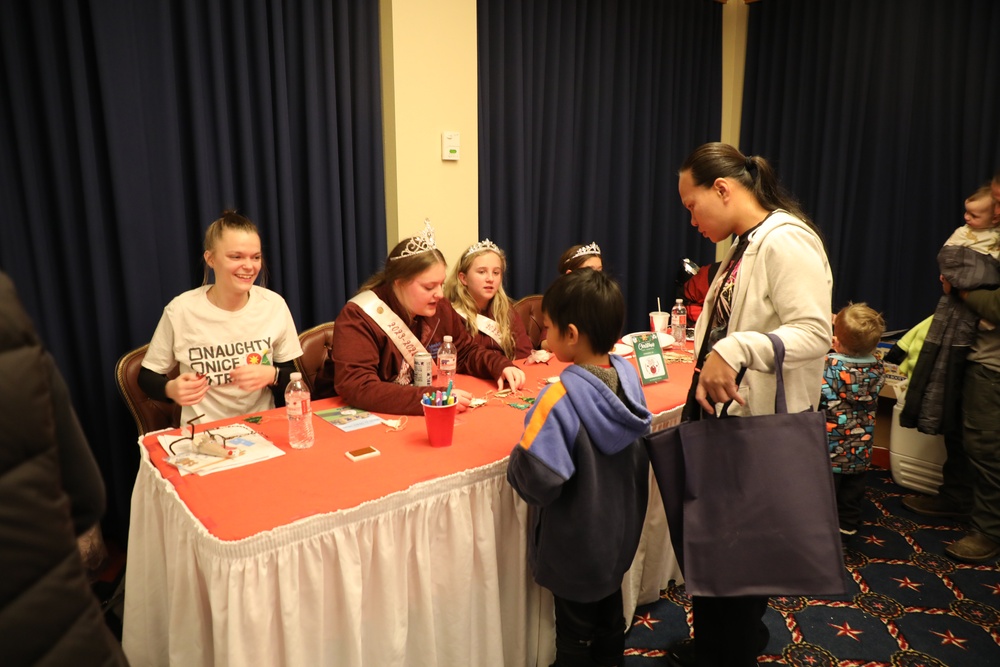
149,414
317,346
530,310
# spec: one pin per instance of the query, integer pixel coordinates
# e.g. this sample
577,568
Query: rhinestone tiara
422,242
592,249
485,244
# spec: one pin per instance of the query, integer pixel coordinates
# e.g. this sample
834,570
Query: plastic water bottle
298,407
678,323
447,359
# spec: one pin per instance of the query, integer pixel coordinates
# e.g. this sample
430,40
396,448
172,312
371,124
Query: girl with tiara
398,313
581,257
475,290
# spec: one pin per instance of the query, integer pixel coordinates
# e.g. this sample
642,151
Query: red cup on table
440,421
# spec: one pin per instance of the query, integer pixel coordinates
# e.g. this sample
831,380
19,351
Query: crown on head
422,242
485,244
592,249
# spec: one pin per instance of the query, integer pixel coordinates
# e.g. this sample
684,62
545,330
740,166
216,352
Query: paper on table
349,419
250,447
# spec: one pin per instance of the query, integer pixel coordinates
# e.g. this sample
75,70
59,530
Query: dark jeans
850,490
981,441
590,633
729,632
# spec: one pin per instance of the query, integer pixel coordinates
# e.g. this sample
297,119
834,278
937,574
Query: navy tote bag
750,501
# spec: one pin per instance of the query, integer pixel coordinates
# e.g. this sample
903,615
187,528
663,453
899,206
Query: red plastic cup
440,423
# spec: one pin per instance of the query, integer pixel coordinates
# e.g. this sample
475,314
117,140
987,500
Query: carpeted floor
911,606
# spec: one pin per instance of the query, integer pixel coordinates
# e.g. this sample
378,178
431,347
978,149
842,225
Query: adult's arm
985,302
81,478
359,368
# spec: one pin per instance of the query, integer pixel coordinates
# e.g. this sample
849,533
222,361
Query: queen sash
391,323
487,326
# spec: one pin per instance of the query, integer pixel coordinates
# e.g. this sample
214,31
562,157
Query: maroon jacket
365,362
522,344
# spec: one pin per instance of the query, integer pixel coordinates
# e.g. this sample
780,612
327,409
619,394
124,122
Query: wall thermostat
449,145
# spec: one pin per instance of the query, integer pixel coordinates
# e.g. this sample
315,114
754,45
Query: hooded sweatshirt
582,468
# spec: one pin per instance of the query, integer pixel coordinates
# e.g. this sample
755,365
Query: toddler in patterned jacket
851,383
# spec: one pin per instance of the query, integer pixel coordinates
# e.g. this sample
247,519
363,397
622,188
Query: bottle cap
296,376
447,339
680,302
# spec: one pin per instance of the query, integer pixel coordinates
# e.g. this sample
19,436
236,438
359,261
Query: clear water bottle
447,359
678,323
298,407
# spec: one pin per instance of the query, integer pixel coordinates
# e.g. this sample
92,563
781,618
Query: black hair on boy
592,301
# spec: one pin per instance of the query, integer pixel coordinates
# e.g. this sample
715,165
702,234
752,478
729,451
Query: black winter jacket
50,492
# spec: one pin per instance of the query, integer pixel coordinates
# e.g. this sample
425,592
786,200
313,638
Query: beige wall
429,86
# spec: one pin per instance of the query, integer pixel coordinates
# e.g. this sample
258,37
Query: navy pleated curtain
586,109
882,117
127,127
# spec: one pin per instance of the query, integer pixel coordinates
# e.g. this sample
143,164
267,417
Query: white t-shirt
205,339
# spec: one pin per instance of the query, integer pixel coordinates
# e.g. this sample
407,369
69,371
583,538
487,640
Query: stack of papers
247,445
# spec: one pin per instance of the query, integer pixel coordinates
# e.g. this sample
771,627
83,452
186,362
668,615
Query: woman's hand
462,399
717,381
252,377
514,377
187,388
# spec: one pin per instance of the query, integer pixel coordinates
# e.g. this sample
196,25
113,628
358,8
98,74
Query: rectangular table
415,557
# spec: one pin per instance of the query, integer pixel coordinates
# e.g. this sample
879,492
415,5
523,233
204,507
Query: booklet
349,419
649,357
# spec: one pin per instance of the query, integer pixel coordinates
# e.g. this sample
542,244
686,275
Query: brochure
649,357
349,419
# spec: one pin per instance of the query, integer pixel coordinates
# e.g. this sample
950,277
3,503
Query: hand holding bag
750,501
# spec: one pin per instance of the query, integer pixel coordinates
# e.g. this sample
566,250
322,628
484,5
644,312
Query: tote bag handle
780,406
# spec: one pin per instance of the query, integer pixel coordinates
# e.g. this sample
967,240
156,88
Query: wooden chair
530,310
317,346
149,414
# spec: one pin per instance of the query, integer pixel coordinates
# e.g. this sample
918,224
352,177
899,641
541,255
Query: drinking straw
658,309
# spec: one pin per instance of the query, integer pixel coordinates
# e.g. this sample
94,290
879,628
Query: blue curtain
127,127
882,117
587,109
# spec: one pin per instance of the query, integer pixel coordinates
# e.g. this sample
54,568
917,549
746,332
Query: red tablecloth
238,503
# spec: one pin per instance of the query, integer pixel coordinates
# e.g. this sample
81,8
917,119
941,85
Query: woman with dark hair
776,279
235,342
581,257
397,313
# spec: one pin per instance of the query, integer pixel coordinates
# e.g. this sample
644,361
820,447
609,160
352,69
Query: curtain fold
128,127
882,118
586,110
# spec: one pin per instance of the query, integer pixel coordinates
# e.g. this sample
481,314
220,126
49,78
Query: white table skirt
432,576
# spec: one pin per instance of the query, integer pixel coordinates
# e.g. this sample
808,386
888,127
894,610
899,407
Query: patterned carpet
911,606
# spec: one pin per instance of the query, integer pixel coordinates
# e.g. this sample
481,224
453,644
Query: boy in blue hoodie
582,468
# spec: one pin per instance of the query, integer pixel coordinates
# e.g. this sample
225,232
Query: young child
851,382
582,468
580,257
475,289
576,257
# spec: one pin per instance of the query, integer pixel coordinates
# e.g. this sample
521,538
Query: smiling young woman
235,341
